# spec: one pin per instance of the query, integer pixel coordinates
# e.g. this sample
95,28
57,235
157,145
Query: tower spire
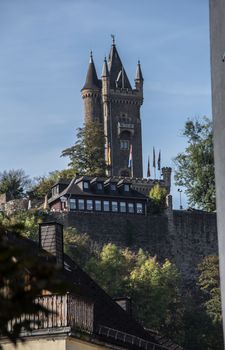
105,71
138,75
92,81
139,78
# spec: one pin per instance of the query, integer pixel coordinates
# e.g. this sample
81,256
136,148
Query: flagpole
154,165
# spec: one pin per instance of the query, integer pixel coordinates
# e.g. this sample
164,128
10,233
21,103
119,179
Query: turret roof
138,75
92,81
105,70
118,76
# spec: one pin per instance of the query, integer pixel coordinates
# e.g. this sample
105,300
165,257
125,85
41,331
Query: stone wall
181,236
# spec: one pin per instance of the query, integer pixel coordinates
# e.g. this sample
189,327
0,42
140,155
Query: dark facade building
112,101
94,194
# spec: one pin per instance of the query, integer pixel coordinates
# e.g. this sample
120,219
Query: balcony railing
64,311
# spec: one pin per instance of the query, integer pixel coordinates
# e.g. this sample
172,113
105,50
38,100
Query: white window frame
123,206
100,203
116,207
73,204
104,208
89,202
139,205
79,202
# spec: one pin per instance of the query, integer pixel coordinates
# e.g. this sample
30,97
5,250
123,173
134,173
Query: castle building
112,101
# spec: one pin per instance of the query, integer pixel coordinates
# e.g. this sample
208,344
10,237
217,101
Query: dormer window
126,188
113,187
99,186
86,185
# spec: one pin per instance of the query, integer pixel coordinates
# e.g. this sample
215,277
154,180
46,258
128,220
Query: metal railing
63,311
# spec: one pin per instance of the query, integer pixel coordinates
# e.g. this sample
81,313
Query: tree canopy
14,183
158,199
87,155
195,166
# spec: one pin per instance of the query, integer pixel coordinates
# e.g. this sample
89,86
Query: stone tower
112,101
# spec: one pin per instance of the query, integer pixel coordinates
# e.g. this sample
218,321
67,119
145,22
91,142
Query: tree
202,317
158,199
87,155
154,289
195,166
23,277
110,269
209,284
14,183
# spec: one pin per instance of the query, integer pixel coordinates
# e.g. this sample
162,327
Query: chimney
51,240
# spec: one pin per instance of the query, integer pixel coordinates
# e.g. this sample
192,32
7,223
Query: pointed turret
92,81
118,76
91,94
105,70
139,77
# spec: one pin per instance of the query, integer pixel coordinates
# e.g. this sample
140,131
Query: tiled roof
74,189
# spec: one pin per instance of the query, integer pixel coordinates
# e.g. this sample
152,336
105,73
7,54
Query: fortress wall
181,236
194,237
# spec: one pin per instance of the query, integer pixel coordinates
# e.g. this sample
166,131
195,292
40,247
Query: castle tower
114,102
91,94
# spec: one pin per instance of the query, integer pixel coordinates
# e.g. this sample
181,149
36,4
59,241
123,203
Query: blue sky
45,48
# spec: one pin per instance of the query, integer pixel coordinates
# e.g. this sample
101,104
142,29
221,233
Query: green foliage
209,285
202,317
157,197
111,269
87,155
14,183
154,289
78,246
23,276
29,220
195,166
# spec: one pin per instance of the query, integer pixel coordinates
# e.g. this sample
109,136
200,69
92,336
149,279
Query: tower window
124,144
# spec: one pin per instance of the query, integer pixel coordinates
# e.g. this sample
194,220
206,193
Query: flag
159,161
153,157
148,169
130,161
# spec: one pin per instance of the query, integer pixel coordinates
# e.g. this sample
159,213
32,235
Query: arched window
125,140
